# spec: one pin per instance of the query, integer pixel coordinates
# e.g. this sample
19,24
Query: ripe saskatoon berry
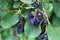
30,15
22,19
19,25
43,36
45,22
36,5
34,21
39,14
20,30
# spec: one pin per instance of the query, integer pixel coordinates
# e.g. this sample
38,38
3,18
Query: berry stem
11,31
45,14
38,1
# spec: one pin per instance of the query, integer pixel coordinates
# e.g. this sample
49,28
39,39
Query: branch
45,14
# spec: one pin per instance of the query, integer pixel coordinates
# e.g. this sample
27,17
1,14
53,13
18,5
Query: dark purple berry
36,5
20,30
22,19
30,15
19,25
45,22
37,19
43,36
39,14
34,21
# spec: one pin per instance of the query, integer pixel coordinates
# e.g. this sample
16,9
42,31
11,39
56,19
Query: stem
38,1
45,14
11,31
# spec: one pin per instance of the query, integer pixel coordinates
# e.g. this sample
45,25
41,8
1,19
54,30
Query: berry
30,15
20,30
39,14
45,22
43,36
34,21
19,25
36,5
22,19
37,19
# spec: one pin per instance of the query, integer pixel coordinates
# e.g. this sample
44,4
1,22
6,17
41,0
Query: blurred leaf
0,36
57,8
22,37
53,32
29,7
6,33
11,38
31,31
3,4
25,13
30,38
28,1
16,5
9,20
3,13
15,0
56,21
48,7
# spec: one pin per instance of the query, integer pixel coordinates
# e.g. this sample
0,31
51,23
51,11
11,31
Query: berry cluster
20,25
35,20
43,34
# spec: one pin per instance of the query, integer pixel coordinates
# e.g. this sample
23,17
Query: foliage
12,10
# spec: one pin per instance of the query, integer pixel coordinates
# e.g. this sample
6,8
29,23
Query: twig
45,14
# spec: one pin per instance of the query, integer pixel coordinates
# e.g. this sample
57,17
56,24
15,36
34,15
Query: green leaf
15,0
6,33
53,32
9,20
25,13
22,37
30,38
16,5
56,21
48,6
57,8
0,36
3,4
29,7
11,38
3,13
31,31
28,1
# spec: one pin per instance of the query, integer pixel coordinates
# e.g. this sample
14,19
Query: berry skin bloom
30,15
36,5
22,19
